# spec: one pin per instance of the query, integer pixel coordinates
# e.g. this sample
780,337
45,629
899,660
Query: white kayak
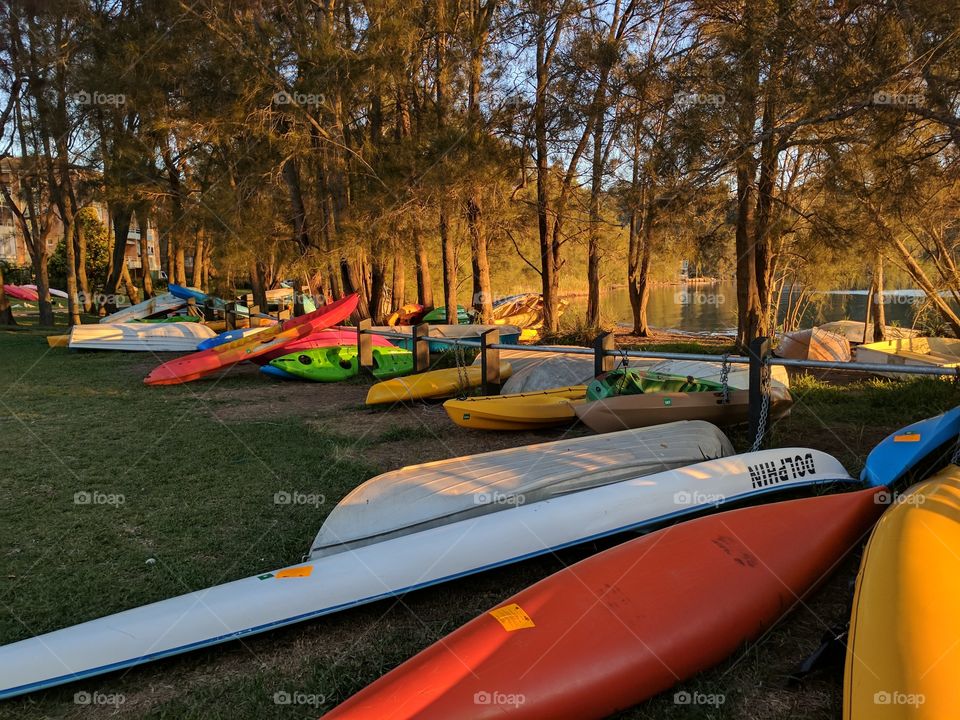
417,497
141,337
167,302
347,579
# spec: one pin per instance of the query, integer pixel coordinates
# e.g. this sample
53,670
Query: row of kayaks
622,625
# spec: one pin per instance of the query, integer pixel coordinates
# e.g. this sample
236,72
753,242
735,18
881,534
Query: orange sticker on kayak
302,571
512,617
907,437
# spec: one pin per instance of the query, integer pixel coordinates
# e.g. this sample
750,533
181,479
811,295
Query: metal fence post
757,352
365,346
602,361
490,361
421,347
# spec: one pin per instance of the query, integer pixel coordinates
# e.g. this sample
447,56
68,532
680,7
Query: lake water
713,308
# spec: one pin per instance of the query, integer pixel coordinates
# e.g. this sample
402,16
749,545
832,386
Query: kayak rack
759,358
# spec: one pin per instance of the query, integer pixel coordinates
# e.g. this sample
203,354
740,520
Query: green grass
198,467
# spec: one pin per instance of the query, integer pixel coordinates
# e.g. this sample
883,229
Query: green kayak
340,362
171,319
638,382
439,315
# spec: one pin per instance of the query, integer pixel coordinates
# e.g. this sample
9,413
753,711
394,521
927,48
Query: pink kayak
53,291
340,335
21,293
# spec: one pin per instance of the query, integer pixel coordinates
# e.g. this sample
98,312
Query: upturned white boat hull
369,573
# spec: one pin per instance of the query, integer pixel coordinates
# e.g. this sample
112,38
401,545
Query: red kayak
199,364
21,293
624,625
341,335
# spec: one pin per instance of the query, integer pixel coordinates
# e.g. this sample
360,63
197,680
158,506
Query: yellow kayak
58,340
432,384
520,411
903,655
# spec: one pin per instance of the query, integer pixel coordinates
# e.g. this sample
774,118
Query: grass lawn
185,479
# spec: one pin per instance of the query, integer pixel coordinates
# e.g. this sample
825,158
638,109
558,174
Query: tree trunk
551,321
179,262
933,294
198,249
120,215
482,291
449,269
73,299
378,285
6,312
43,289
399,281
143,218
80,238
593,243
878,311
424,282
257,288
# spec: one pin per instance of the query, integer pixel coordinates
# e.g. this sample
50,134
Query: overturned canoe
385,569
430,385
633,411
903,655
140,337
520,411
417,497
166,302
624,625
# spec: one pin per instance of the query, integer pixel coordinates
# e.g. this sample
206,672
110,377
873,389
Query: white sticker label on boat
512,617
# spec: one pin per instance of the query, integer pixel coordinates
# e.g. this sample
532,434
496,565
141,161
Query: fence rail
605,353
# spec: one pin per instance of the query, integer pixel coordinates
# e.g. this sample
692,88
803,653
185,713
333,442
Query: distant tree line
354,145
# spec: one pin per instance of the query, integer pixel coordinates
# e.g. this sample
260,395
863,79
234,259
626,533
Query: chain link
724,376
764,406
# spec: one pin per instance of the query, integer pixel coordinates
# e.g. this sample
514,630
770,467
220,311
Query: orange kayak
199,364
631,622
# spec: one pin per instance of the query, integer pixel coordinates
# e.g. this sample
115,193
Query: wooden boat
521,411
624,625
431,494
632,411
401,564
814,344
903,654
139,337
926,351
852,330
430,385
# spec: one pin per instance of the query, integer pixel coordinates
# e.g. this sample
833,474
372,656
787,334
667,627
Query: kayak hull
365,574
631,622
430,385
521,411
203,363
632,411
903,658
338,362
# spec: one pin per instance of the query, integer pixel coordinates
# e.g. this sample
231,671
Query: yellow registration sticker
512,617
907,437
302,571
